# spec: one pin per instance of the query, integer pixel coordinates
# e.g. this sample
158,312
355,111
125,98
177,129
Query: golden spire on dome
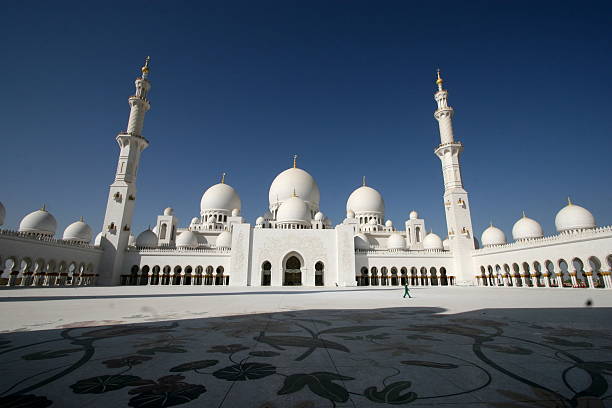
81,219
294,193
295,156
44,207
524,216
223,178
363,181
569,201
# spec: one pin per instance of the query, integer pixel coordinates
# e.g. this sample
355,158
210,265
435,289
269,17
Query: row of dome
396,241
572,217
42,222
186,239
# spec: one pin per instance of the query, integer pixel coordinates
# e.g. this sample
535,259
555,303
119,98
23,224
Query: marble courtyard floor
305,347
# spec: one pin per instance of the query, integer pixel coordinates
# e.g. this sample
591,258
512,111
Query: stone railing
404,252
46,239
169,250
566,236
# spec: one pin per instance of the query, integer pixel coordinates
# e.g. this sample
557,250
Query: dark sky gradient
240,86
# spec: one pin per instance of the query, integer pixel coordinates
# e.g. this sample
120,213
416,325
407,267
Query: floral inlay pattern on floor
311,359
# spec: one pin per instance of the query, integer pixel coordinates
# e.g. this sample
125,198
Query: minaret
122,194
456,203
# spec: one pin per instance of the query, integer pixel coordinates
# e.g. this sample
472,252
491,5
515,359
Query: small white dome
319,216
194,220
396,241
574,217
98,240
526,228
39,222
432,241
361,241
131,240
389,223
493,236
294,210
260,220
187,239
372,221
146,239
78,231
236,212
414,215
2,213
365,200
350,214
224,240
298,181
220,197
446,244
202,239
168,211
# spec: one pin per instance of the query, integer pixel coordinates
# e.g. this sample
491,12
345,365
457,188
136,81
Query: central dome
295,181
220,197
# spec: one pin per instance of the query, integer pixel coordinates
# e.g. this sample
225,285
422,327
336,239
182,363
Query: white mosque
294,243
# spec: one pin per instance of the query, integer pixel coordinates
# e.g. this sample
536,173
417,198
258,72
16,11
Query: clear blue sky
241,86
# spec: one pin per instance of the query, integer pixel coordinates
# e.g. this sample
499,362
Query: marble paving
347,348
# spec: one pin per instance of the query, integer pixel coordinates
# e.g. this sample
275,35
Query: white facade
294,243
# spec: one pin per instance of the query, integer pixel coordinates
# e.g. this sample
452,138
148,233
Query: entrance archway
292,274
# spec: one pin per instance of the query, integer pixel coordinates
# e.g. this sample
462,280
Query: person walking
407,291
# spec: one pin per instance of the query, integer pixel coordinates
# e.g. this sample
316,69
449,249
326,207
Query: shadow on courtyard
173,295
319,358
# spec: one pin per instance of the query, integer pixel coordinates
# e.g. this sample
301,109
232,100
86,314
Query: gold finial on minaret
295,156
363,183
439,81
222,178
145,68
569,201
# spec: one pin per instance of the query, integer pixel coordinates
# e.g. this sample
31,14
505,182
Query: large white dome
574,217
293,210
493,236
187,239
78,231
146,239
396,241
39,222
365,200
220,197
224,240
432,241
298,181
2,213
361,241
526,228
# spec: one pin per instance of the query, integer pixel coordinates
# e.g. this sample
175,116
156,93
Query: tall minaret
456,203
122,194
